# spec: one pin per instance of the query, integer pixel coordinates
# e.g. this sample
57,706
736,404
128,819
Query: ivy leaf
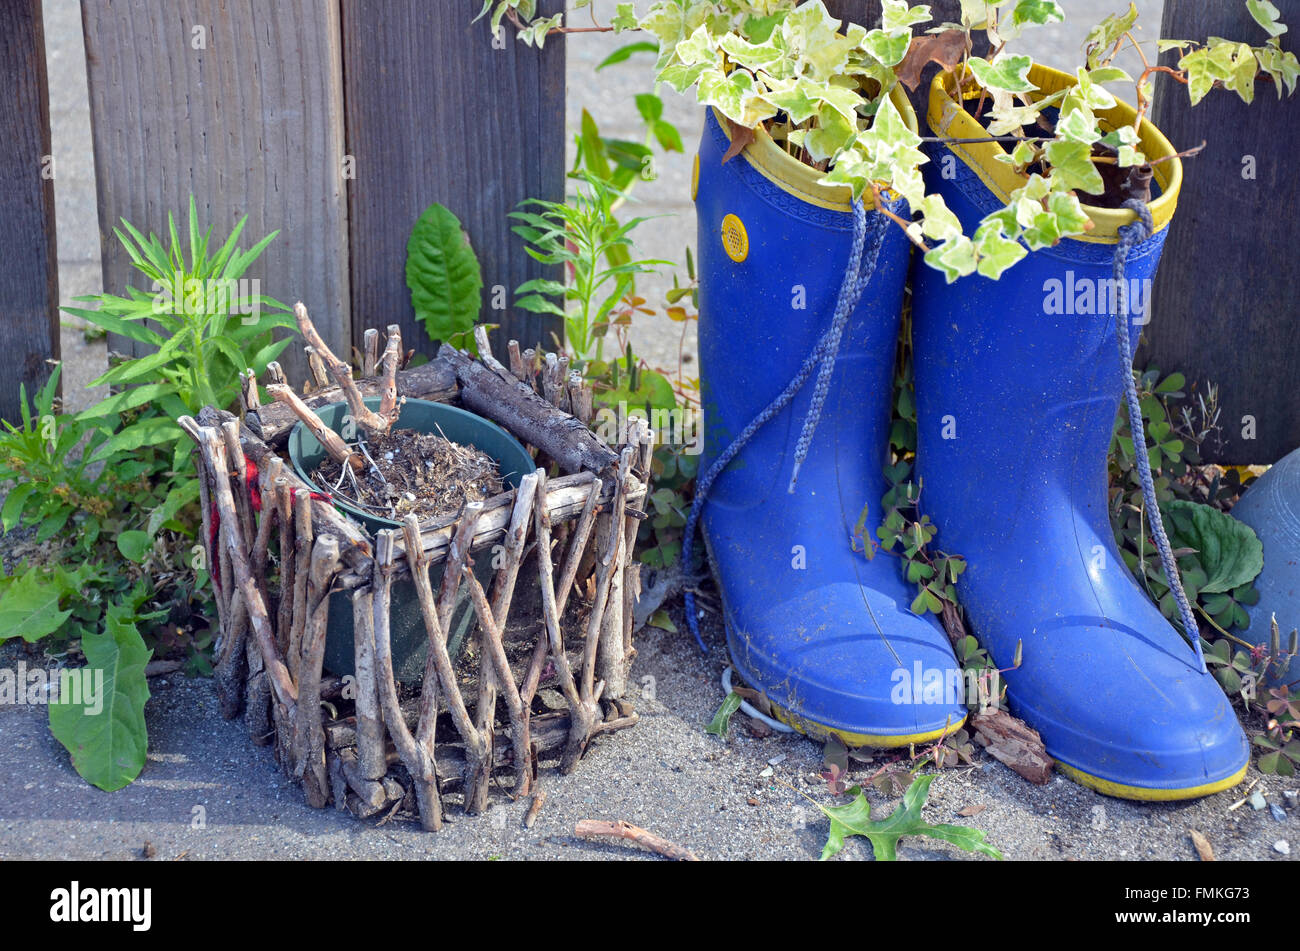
1037,11
1102,37
1072,166
105,732
997,251
897,15
735,96
854,818
1006,72
1266,15
889,49
1229,550
956,257
624,18
443,274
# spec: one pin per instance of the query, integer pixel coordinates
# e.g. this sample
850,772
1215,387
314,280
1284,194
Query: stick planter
547,658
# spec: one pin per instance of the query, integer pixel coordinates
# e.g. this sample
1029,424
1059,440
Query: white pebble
1281,845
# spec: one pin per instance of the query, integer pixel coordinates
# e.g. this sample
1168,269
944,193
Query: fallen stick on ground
590,828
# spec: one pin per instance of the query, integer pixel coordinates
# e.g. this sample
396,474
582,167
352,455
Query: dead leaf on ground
945,48
1203,847
1013,743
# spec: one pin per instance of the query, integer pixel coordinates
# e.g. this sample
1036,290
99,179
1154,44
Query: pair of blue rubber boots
1017,385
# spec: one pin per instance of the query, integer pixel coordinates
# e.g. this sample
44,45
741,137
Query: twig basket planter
546,663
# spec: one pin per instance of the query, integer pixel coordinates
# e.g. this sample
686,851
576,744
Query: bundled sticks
556,612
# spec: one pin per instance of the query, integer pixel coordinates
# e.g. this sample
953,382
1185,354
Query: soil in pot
422,473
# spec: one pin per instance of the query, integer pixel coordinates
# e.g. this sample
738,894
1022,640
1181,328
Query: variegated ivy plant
821,89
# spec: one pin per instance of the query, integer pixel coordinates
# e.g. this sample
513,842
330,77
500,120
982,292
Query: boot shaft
772,248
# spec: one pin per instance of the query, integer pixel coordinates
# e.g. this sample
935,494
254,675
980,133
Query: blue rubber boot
1271,506
1018,382
824,633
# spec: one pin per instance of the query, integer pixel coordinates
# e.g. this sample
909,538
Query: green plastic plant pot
406,632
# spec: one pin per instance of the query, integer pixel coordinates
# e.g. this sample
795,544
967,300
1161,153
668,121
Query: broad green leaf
443,274
29,607
854,818
1229,550
134,545
105,732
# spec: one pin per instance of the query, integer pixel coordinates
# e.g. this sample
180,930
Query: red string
255,501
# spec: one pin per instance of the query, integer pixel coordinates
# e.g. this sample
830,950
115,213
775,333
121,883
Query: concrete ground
207,793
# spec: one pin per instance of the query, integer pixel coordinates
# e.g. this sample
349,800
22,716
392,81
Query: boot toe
1128,714
821,658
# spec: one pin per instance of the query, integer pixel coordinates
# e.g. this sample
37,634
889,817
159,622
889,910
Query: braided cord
1129,235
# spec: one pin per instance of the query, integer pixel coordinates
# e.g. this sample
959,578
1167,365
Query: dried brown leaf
945,48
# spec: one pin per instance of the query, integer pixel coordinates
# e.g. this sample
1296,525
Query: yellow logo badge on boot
734,239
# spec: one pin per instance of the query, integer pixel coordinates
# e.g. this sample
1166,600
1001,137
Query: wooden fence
339,121
334,121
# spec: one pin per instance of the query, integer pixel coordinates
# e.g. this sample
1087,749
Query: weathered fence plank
436,111
29,283
240,104
1224,300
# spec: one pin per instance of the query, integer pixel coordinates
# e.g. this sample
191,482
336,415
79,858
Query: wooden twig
417,761
583,712
249,401
342,373
309,738
319,375
332,441
478,767
592,828
493,644
213,454
435,381
389,407
517,369
304,536
611,558
276,373
370,356
529,417
284,509
370,728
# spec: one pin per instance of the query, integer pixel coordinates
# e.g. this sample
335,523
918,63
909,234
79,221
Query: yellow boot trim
1146,794
947,117
815,729
803,181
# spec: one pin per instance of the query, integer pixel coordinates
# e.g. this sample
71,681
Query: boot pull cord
1129,235
856,278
